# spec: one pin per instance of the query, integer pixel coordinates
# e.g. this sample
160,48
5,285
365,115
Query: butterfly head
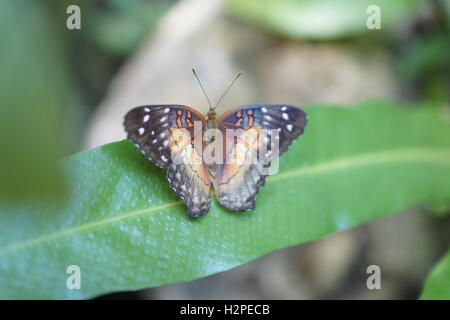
211,113
212,110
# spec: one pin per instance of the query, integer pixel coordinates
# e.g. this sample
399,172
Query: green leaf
126,230
437,284
320,20
31,108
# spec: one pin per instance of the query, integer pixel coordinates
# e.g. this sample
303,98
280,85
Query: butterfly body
226,151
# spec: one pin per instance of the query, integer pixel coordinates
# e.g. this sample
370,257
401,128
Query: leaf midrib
437,156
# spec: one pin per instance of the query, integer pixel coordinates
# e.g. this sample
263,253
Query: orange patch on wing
188,119
250,120
179,124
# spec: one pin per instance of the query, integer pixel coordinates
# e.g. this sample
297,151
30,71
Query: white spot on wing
285,116
141,131
146,109
163,119
264,110
289,127
284,108
166,110
146,118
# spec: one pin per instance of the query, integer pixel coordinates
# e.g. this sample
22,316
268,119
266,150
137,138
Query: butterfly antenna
228,89
203,89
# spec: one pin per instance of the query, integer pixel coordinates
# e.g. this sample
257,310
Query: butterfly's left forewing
165,134
244,169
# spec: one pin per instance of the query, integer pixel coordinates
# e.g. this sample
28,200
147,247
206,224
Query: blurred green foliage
34,93
423,64
47,85
111,31
320,20
437,284
416,33
121,28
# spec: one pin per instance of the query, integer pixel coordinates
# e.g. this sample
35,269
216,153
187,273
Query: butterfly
173,137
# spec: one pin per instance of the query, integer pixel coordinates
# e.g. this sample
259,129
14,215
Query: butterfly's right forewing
238,182
165,134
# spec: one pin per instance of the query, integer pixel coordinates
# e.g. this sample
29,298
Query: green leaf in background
123,27
126,229
426,63
320,20
34,92
437,285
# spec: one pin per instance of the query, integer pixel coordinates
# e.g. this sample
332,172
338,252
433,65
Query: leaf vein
437,156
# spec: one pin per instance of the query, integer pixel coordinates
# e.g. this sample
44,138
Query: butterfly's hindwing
238,183
156,131
238,180
191,183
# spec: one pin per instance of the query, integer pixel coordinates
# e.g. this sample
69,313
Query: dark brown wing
165,134
266,131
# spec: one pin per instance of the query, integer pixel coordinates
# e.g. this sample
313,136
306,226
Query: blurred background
63,91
